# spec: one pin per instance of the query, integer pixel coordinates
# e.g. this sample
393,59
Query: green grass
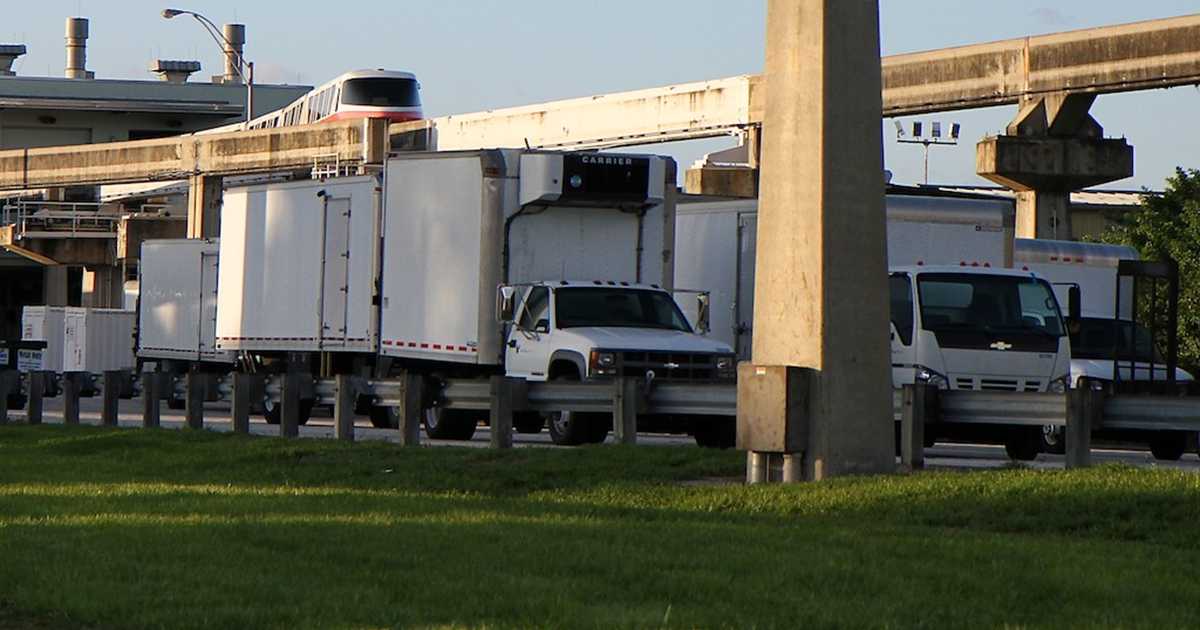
162,529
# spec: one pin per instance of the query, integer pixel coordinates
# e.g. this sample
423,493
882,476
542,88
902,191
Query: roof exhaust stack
174,71
9,54
235,35
77,35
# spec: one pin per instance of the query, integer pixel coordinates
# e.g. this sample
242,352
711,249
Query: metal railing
54,219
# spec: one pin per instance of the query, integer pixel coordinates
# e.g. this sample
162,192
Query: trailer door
335,267
744,300
208,304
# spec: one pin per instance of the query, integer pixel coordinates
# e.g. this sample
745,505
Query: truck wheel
528,422
1023,443
17,401
384,417
273,411
1054,440
450,424
1168,446
176,404
715,432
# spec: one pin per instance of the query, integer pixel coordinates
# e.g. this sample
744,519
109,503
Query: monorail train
388,94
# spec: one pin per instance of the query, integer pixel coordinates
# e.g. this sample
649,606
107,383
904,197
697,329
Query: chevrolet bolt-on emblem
1000,345
671,366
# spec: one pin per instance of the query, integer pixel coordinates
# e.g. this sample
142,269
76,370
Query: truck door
527,354
903,316
206,343
744,299
335,270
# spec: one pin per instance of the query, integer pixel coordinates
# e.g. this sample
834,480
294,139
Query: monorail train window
381,92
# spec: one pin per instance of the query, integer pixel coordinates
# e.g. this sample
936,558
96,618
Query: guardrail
49,219
1081,412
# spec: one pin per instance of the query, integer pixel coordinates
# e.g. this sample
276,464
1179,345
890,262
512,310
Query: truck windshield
999,312
1099,337
381,92
619,307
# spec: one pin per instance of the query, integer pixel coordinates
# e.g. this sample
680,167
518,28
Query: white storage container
45,323
177,316
97,339
298,266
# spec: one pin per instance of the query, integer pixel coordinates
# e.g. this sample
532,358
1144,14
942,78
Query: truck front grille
997,384
669,366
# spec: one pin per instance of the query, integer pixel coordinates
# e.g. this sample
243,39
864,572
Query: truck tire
450,424
1023,443
176,404
715,432
384,417
1168,446
1054,439
273,411
570,428
17,401
528,422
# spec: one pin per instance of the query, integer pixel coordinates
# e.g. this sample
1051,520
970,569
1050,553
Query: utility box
178,292
773,408
45,323
298,266
97,340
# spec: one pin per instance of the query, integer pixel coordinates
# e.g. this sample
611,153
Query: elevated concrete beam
1052,163
210,154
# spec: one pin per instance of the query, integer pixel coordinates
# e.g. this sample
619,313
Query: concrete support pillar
56,286
1051,148
204,206
104,287
821,285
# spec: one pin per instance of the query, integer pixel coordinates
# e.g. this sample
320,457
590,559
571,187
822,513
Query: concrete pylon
204,206
1051,148
821,282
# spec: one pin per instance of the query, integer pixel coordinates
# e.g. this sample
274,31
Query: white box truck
177,302
961,317
538,265
298,266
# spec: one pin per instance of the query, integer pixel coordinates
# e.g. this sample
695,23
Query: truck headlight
727,366
927,376
1058,385
603,363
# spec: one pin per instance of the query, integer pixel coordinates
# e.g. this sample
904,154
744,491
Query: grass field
163,529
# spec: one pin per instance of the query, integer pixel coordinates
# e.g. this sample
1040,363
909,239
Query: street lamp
228,49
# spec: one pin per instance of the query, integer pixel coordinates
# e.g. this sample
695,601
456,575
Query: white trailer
45,323
177,314
298,263
97,340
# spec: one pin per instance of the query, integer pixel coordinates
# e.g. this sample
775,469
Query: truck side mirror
1074,310
702,313
506,304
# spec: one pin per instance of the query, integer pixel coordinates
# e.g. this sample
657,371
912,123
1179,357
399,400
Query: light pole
935,139
228,49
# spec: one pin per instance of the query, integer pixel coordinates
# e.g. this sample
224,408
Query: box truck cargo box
459,224
177,315
298,266
45,323
716,248
97,340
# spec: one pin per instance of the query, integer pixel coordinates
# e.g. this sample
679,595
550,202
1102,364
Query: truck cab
975,328
605,329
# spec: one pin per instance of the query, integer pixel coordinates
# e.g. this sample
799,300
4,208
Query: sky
472,55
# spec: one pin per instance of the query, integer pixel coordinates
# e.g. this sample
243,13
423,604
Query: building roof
108,95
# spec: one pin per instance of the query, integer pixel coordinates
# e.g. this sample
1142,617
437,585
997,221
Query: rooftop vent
9,54
173,71
77,36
